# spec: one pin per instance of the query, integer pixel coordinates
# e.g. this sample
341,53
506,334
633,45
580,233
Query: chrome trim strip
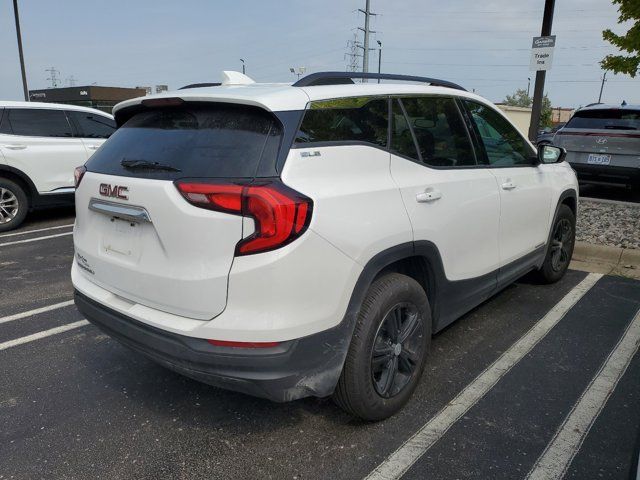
118,210
59,191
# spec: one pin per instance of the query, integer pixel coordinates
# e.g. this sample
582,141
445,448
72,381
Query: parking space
539,381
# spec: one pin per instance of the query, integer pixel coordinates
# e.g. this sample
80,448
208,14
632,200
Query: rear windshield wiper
146,165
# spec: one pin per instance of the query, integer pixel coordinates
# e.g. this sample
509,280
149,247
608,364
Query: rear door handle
15,147
94,147
508,186
428,196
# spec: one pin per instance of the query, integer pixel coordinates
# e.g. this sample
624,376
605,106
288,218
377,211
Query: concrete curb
589,257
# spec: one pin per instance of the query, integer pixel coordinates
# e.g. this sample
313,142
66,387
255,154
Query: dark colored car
545,137
603,144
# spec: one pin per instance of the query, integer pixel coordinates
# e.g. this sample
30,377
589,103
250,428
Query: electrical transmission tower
71,81
353,46
367,32
53,76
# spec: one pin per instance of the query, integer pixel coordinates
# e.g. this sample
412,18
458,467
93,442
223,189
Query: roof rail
341,78
199,85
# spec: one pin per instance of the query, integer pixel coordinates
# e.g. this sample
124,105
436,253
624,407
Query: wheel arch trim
33,192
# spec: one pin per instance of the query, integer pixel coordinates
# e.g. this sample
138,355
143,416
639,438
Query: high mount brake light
163,102
280,213
78,173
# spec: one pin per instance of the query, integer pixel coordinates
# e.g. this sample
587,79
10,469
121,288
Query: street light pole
242,60
379,57
538,89
19,35
528,85
604,79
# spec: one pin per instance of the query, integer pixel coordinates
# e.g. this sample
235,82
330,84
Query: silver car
603,144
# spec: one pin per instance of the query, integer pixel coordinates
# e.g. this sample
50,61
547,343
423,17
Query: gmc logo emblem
113,191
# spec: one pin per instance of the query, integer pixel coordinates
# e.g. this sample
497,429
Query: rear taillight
280,213
78,173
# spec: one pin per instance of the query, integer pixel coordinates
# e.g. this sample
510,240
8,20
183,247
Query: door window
402,142
440,133
347,120
91,125
37,122
504,145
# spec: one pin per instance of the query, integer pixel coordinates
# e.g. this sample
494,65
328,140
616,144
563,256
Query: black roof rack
199,85
342,78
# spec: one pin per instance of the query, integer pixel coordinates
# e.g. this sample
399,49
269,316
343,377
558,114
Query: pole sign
542,52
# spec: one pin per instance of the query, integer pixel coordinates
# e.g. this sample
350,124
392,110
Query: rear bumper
308,366
606,174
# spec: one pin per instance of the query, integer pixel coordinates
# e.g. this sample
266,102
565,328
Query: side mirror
550,154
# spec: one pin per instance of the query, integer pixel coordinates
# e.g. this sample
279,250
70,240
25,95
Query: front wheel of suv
14,205
388,350
560,250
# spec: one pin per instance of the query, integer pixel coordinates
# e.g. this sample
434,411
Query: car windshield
601,119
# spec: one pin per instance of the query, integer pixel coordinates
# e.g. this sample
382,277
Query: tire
361,388
560,250
14,205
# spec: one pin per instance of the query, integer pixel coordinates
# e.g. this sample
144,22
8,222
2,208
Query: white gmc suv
40,146
309,239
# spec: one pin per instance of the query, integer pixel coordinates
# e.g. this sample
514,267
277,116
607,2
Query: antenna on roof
229,77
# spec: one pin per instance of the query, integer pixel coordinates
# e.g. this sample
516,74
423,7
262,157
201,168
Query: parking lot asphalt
537,379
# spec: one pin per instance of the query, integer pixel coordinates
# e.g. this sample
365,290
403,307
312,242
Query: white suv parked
40,146
309,239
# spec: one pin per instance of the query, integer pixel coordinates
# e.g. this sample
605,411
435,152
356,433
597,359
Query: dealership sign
542,52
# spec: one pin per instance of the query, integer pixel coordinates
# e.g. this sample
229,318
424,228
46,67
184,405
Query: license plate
598,159
122,239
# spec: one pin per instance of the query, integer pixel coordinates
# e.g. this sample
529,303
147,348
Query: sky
484,46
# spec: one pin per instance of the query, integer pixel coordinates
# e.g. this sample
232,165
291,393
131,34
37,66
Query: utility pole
379,56
20,53
604,79
538,89
528,86
53,76
367,32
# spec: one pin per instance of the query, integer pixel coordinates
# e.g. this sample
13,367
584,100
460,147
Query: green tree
521,99
629,10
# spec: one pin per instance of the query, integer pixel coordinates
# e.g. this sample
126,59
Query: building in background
102,98
519,116
561,115
149,90
162,88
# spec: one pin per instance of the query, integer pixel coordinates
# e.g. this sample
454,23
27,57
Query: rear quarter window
191,141
346,120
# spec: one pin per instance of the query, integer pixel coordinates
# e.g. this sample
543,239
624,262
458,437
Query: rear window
217,141
614,119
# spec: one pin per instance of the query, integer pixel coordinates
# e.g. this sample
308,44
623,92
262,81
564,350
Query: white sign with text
542,52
